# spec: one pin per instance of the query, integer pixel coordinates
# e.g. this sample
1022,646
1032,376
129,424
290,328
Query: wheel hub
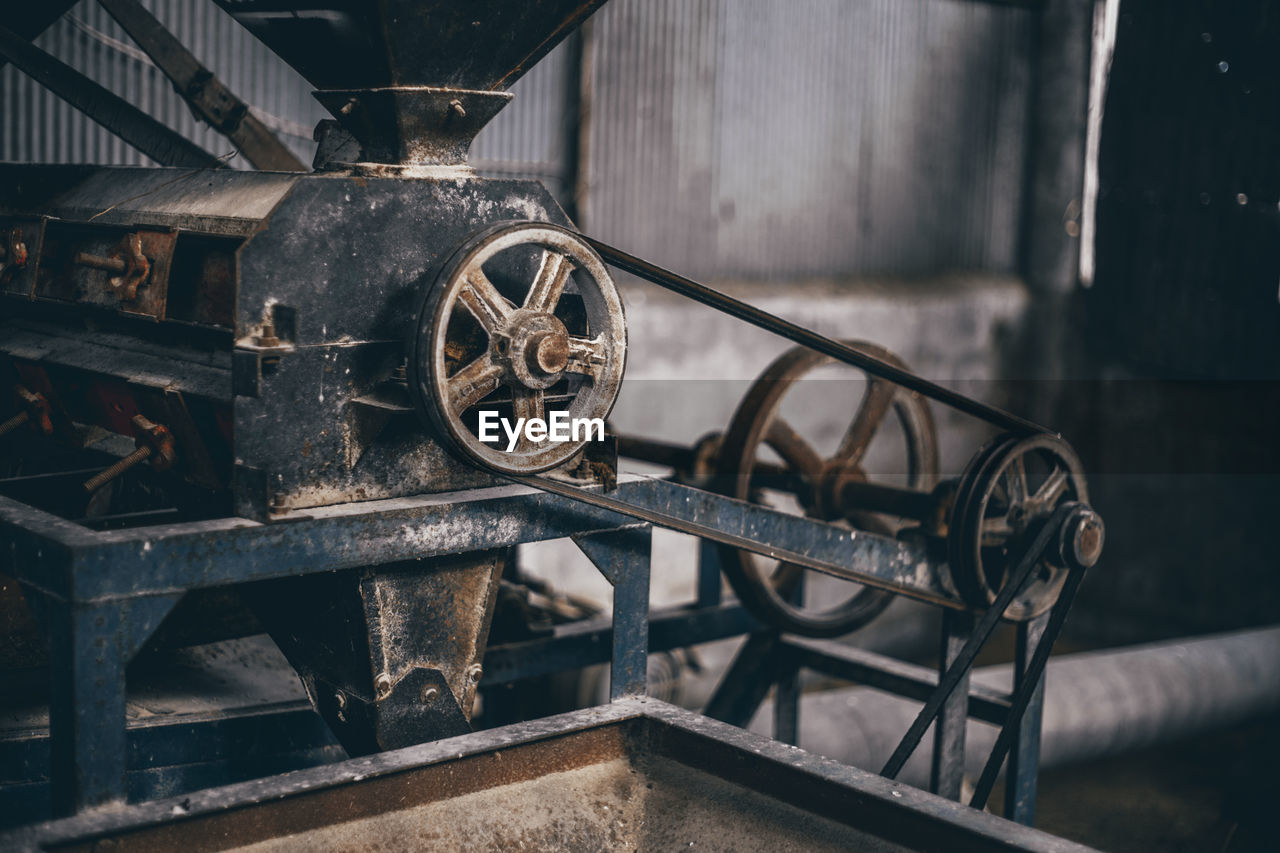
533,348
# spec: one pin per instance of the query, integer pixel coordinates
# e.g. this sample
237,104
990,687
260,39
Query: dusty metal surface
389,656
637,773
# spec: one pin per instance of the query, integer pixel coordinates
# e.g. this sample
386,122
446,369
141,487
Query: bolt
84,259
340,699
103,477
382,685
14,422
268,337
457,107
429,695
474,672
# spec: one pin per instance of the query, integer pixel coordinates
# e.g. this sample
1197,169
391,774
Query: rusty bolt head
382,685
429,695
158,438
38,410
474,672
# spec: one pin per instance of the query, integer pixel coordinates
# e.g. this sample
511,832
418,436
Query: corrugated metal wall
759,138
751,138
37,126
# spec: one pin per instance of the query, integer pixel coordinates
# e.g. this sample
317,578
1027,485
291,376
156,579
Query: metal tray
637,774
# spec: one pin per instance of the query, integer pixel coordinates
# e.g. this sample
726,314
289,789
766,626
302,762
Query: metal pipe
1097,704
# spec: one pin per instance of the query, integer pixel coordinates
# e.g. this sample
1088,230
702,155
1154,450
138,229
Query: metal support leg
786,706
622,556
947,771
89,648
1032,686
709,589
1024,754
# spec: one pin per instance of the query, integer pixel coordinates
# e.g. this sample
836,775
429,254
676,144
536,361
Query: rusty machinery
271,379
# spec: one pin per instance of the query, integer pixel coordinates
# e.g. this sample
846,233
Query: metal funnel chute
412,80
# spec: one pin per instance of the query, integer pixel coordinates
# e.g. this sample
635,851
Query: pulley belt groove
841,352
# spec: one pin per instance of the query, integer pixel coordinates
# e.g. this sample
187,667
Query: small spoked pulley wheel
523,321
764,458
1011,486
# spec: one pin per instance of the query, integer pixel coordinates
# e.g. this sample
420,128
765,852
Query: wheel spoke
482,299
870,415
473,383
549,284
1016,476
995,531
1052,488
793,449
587,356
526,403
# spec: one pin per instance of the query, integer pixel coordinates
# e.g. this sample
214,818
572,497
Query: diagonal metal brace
208,97
1026,689
162,144
981,633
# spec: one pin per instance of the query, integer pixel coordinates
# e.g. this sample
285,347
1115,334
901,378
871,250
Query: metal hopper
412,80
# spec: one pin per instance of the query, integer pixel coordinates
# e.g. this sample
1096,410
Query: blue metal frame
101,594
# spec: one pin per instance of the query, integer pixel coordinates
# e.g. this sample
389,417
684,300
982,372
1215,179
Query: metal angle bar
835,349
205,93
946,773
891,675
159,142
1024,754
846,554
982,630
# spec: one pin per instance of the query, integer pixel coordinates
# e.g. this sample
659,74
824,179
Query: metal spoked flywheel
524,321
760,437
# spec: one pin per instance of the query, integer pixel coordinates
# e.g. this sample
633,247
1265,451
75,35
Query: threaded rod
14,422
100,479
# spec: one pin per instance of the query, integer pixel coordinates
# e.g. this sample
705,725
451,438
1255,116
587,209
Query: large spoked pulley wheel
762,458
523,321
1010,486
